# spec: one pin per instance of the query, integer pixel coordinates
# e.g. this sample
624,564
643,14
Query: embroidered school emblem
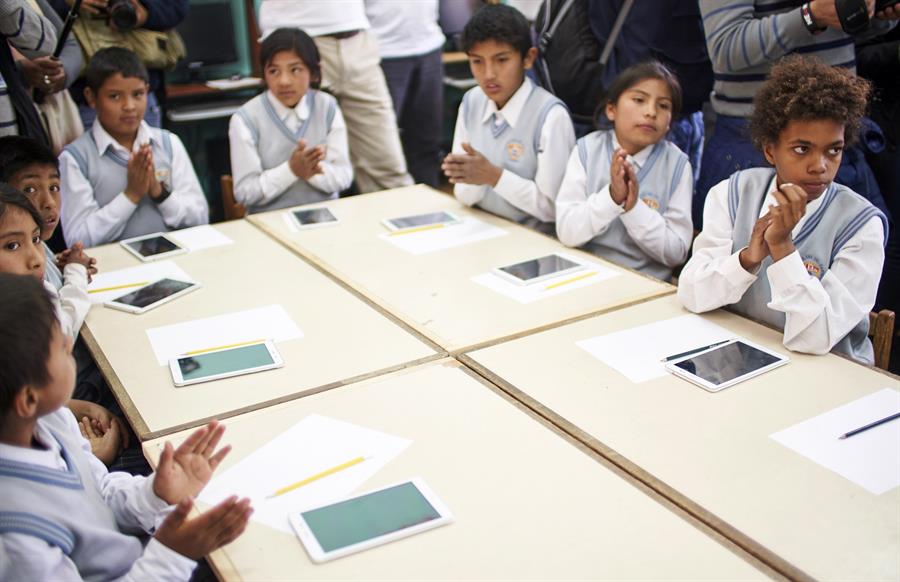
650,201
813,268
162,175
515,150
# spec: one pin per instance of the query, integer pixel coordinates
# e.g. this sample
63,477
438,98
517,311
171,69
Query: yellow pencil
123,286
572,280
226,346
418,229
317,476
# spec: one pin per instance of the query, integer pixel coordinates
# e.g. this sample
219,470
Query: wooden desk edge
749,549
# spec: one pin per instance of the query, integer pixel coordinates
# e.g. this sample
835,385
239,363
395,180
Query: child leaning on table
787,245
62,515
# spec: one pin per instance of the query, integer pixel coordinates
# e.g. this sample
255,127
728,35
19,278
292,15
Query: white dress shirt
84,220
71,301
536,197
131,499
337,172
582,215
405,28
817,313
315,17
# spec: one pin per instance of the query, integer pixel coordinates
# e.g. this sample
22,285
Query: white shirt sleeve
186,205
580,215
74,301
818,314
82,218
468,194
714,276
253,185
337,172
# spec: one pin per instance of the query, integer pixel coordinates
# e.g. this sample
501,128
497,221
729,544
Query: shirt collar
638,159
301,109
104,140
50,457
513,108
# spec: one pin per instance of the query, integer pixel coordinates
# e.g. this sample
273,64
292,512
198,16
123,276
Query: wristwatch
808,20
164,193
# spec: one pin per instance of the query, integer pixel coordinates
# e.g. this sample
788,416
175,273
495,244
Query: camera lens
122,15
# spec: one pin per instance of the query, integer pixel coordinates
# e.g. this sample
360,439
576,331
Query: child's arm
468,194
186,204
252,184
337,172
714,276
74,299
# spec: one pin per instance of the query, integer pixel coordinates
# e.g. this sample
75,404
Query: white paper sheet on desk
311,446
871,459
594,273
636,352
200,237
270,322
428,241
146,273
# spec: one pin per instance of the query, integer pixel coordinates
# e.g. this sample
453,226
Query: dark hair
296,41
499,23
108,61
631,77
27,318
11,197
19,152
806,89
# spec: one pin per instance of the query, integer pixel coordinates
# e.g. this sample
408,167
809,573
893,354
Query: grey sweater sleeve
32,34
71,53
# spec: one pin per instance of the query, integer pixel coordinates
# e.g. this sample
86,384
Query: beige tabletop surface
345,338
711,452
433,292
527,504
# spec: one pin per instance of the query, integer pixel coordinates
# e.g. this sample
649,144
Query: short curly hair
806,89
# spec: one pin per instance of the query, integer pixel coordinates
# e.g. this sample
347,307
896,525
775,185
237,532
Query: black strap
26,114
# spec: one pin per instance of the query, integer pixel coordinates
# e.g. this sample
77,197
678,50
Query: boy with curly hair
787,245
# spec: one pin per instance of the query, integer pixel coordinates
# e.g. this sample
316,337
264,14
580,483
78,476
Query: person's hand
140,174
618,177
889,13
305,162
45,74
90,6
106,443
76,254
785,216
184,471
752,256
824,12
633,187
195,538
471,168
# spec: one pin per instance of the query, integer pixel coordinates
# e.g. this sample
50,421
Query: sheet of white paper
145,273
311,446
428,241
200,237
270,322
594,273
871,459
636,352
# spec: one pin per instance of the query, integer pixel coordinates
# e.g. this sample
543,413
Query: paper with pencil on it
321,453
200,237
438,237
270,322
871,459
637,352
112,284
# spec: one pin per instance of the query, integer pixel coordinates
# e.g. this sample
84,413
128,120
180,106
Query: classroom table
433,292
527,504
345,338
711,452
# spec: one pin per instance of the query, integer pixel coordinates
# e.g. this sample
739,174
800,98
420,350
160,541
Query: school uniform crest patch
813,267
515,150
650,201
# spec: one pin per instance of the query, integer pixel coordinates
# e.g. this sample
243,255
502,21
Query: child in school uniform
62,515
787,245
289,144
511,138
123,178
626,195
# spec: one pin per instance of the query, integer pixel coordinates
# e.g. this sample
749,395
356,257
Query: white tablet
152,247
224,363
153,295
369,520
536,270
726,364
420,220
313,217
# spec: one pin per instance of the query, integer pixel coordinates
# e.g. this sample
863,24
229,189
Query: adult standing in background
351,72
33,36
410,41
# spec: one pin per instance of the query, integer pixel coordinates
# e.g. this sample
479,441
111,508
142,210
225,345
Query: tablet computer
152,247
726,364
369,520
313,217
420,220
224,363
153,295
536,270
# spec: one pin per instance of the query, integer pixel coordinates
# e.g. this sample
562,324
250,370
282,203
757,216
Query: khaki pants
351,72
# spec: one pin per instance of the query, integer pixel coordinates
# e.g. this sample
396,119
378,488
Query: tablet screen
727,362
527,270
421,220
156,245
225,361
154,292
369,516
314,216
